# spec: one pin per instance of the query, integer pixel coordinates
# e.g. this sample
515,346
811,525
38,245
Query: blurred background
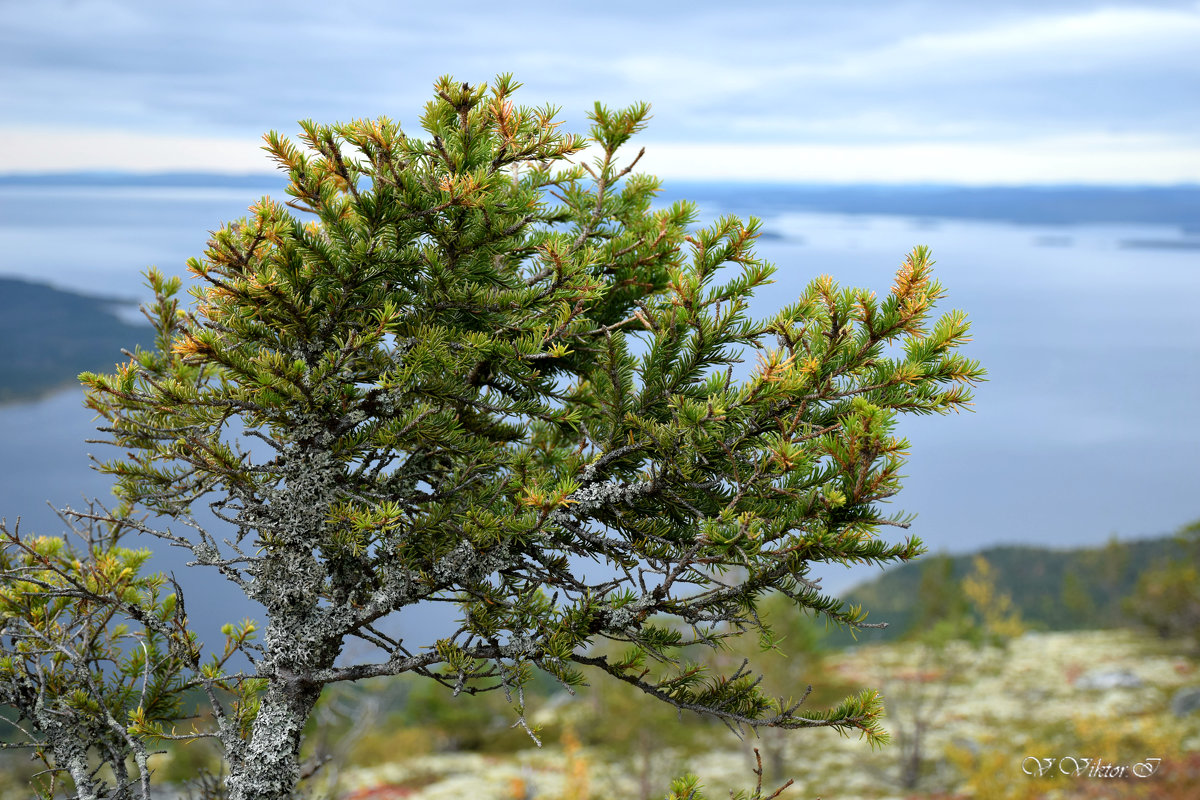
1048,153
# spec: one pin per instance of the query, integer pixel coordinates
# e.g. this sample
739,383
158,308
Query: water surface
1086,427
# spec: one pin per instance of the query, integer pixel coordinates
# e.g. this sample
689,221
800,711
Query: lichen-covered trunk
76,763
298,645
303,638
70,751
269,768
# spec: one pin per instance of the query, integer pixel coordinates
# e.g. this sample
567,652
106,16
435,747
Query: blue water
1086,428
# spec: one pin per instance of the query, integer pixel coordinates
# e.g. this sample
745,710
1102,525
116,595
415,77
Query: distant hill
1053,589
48,336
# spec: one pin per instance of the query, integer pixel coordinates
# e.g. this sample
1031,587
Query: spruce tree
470,366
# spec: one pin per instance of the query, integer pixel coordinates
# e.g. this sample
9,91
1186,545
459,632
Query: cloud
1095,67
1101,39
1098,159
47,149
1071,160
872,74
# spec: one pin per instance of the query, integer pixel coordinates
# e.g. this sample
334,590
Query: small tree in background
1167,597
477,367
951,615
999,622
943,610
795,663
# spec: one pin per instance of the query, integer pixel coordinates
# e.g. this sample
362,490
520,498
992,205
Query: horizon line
194,177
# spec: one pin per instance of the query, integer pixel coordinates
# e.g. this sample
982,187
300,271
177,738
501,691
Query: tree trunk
81,773
270,768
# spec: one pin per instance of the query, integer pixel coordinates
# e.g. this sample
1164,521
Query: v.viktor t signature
1079,767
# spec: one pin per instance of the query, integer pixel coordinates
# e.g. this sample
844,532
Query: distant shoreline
172,179
52,334
194,178
1065,204
42,396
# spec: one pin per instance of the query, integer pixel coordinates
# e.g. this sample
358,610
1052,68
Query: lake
1086,428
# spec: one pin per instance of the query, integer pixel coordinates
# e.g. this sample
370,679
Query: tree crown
478,366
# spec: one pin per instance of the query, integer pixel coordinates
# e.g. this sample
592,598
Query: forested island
51,335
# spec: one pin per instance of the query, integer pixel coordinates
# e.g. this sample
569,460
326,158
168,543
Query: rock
1185,701
968,744
1109,679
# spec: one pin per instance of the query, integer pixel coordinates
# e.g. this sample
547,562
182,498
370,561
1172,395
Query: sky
887,91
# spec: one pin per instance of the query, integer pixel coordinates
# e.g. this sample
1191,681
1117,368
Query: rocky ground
1050,715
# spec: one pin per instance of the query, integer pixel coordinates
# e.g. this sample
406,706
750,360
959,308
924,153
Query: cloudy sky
1053,91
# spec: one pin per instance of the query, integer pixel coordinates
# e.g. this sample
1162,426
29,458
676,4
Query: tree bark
270,767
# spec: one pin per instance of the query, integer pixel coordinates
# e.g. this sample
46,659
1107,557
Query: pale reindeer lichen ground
998,699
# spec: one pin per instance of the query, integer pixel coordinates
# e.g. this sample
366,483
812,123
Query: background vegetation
977,678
